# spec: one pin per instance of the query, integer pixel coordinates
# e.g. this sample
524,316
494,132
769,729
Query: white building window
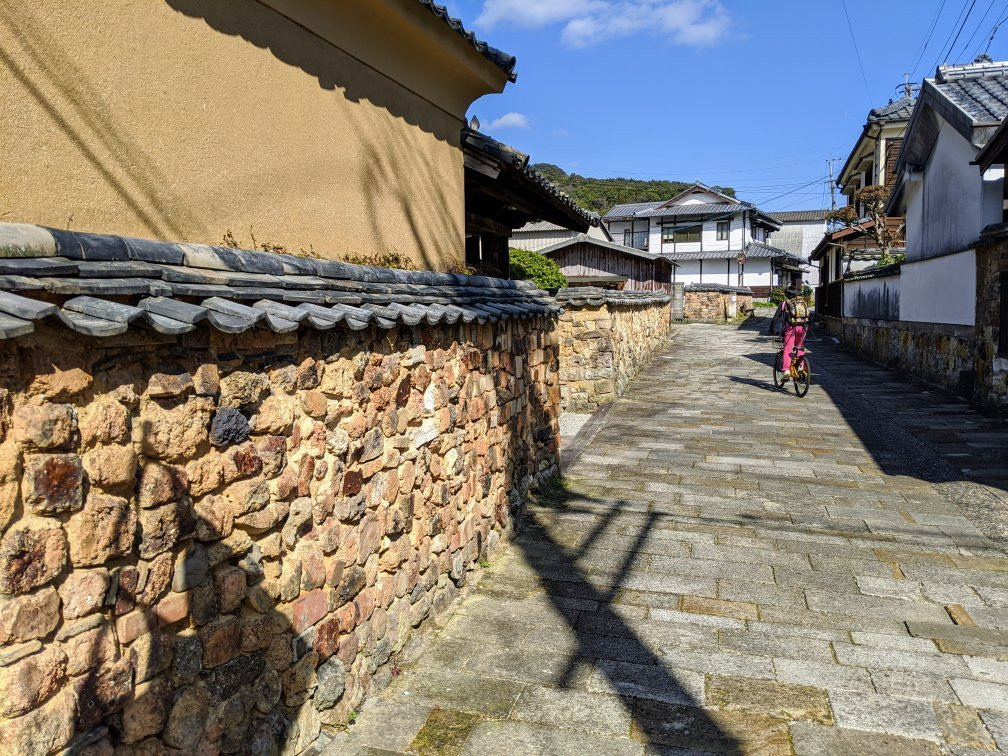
681,234
722,230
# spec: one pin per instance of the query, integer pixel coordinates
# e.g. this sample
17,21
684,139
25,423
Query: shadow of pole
663,712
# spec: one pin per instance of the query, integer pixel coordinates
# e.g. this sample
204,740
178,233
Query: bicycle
800,372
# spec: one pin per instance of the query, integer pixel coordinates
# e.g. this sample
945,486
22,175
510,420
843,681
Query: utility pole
907,86
832,186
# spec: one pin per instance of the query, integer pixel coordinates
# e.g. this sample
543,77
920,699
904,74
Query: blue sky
748,93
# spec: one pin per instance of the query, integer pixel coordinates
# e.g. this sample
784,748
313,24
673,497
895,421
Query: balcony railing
635,239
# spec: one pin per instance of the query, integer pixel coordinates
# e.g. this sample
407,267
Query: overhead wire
961,26
977,28
940,58
857,52
927,40
994,31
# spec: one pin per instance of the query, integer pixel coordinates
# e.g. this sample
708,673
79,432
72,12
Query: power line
965,19
941,50
975,30
927,41
850,28
785,194
994,31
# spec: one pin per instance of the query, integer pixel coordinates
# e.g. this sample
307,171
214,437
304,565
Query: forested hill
600,194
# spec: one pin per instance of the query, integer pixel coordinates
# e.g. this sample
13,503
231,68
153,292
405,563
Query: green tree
531,266
600,194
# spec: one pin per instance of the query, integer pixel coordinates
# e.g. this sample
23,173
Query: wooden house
587,261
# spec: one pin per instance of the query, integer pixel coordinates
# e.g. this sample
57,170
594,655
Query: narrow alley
729,568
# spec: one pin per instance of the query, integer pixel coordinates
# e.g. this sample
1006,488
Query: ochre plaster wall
181,120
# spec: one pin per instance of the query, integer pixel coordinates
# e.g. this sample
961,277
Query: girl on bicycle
793,314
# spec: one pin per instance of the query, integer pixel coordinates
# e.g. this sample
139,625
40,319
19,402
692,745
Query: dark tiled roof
630,210
537,226
979,89
758,249
797,216
602,244
499,58
581,296
519,161
719,287
898,110
707,254
106,284
694,210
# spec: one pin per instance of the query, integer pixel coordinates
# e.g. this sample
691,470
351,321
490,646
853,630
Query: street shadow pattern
910,428
663,712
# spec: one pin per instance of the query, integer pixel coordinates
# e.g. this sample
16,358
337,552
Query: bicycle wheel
778,371
803,378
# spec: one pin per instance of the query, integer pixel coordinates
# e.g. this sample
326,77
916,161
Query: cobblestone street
731,569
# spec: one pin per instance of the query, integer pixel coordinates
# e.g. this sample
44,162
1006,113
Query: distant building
714,239
871,162
939,313
587,261
542,234
800,233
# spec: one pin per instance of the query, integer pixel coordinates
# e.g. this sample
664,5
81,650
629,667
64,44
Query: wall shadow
142,186
664,714
297,46
911,428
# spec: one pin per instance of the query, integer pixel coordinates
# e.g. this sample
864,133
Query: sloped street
731,569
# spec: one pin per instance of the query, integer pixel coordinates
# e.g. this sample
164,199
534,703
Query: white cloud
509,121
587,22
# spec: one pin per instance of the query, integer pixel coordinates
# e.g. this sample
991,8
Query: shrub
777,296
525,265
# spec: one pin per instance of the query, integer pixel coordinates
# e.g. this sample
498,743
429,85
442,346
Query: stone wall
938,353
214,543
606,338
962,359
991,366
713,303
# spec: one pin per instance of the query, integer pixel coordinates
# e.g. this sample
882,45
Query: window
722,230
680,234
1003,318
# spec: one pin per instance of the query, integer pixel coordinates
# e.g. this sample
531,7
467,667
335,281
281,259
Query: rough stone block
150,655
53,483
309,609
91,649
105,421
45,729
172,608
133,625
162,527
160,483
44,426
110,467
27,684
230,584
105,528
147,710
191,568
173,433
220,639
229,426
24,618
184,728
32,554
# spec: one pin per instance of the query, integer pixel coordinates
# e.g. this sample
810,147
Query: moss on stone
444,733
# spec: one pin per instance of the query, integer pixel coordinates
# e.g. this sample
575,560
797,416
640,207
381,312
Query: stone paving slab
730,569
